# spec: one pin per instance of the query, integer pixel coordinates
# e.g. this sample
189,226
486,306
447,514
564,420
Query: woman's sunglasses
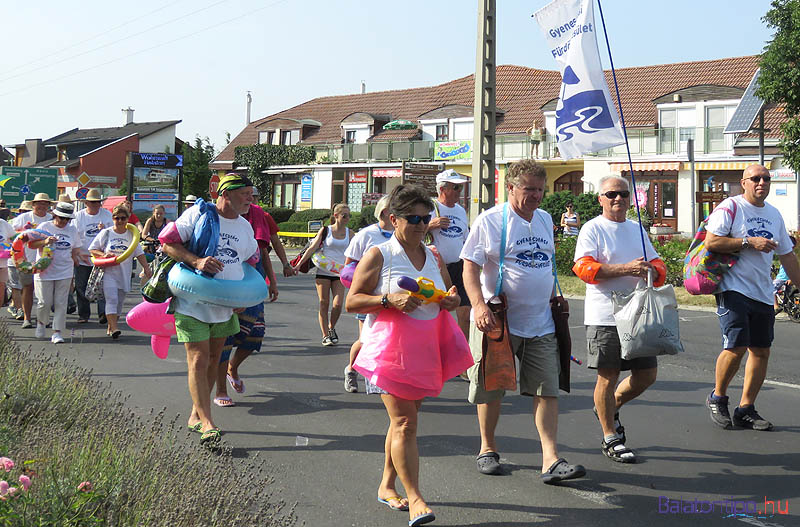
121,218
414,219
612,194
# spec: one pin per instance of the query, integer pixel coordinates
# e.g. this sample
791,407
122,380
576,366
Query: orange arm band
661,271
586,269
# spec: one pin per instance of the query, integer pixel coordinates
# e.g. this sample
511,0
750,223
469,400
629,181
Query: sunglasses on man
612,194
414,219
756,179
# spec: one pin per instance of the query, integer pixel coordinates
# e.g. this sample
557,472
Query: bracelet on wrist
385,301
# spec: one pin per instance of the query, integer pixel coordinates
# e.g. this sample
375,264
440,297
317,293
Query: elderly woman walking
410,348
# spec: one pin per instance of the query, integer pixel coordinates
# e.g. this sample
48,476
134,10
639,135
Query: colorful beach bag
703,270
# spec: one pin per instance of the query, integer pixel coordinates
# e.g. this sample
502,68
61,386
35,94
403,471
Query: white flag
586,120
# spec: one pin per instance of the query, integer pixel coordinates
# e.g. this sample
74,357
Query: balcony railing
643,142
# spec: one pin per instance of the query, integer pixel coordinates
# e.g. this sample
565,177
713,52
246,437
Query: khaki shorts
189,329
537,370
19,280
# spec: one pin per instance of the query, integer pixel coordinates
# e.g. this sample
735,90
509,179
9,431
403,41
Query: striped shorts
251,332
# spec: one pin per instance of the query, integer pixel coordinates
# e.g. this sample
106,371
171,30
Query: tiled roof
521,92
396,135
109,134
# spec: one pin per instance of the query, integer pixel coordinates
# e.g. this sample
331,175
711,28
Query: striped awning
654,165
387,172
722,165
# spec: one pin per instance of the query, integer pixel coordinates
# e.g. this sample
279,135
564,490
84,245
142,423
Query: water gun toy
421,288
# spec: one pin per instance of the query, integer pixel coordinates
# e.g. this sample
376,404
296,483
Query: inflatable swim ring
185,283
346,274
18,251
5,250
325,263
114,260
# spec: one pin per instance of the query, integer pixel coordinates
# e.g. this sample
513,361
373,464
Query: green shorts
189,329
537,370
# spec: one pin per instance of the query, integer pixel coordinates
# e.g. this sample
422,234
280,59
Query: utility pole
483,142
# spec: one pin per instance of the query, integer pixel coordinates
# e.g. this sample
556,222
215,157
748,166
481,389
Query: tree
196,173
780,73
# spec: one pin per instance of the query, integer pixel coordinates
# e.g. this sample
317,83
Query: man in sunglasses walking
609,257
449,229
746,224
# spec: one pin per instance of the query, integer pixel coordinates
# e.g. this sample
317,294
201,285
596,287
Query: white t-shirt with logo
449,241
6,233
108,241
62,265
528,271
237,244
19,225
364,239
610,242
89,227
751,274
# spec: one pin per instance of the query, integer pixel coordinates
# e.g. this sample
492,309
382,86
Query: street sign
212,186
422,174
81,193
710,197
23,182
84,179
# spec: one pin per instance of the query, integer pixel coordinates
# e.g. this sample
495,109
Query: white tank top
334,248
397,264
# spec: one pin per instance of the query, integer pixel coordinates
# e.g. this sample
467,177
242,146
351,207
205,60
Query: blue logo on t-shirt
452,229
760,230
63,242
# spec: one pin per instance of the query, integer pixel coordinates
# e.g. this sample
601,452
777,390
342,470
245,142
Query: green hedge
565,252
311,215
586,205
293,226
279,214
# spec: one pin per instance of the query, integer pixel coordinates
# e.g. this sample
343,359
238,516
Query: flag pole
624,129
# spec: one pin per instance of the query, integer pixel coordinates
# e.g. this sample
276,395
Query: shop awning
723,165
654,165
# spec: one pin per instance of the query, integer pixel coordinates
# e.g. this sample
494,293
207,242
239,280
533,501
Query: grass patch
91,461
574,286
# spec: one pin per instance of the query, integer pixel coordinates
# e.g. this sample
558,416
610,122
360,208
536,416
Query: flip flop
210,437
388,503
236,384
197,427
115,334
422,519
224,402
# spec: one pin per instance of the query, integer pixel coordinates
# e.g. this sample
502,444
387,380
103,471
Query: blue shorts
744,322
250,335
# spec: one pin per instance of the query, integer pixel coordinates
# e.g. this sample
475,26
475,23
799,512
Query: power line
57,52
115,41
142,50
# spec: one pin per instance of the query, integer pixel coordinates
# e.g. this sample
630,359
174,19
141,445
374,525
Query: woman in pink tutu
410,348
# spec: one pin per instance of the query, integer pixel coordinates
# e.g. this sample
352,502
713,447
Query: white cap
191,198
451,176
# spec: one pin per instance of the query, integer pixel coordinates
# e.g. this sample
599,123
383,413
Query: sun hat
93,195
64,210
41,196
64,198
451,176
25,206
191,198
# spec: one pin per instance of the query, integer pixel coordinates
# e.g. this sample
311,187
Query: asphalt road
294,393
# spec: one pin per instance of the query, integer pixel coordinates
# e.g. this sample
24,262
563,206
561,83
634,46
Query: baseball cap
451,176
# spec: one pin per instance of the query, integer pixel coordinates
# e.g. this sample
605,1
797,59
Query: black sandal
561,470
615,450
620,430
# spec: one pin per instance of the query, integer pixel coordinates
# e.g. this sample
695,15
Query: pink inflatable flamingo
153,319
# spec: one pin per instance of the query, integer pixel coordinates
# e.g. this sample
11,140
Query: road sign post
21,183
213,183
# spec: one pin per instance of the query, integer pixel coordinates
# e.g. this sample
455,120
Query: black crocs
561,470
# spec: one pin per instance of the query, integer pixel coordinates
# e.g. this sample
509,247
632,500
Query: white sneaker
56,338
39,334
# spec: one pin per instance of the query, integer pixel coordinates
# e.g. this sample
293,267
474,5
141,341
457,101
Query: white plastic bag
647,321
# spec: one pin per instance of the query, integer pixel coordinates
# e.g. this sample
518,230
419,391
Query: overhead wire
61,61
68,75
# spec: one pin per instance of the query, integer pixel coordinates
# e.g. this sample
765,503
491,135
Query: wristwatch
385,301
745,243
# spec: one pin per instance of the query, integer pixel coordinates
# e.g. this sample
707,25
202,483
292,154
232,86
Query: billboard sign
451,150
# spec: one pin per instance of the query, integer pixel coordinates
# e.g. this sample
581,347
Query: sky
78,64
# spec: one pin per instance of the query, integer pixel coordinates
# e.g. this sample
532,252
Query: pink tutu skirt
409,358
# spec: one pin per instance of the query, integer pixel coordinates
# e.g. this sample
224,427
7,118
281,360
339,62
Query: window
265,138
676,126
716,119
442,132
286,137
350,136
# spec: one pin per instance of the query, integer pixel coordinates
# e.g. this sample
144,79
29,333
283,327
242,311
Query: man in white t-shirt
754,229
40,203
609,256
89,221
527,282
450,228
203,328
